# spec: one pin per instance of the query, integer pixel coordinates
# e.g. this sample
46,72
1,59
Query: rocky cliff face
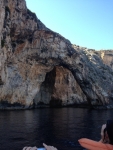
107,57
39,66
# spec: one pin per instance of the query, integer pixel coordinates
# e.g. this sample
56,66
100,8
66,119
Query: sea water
59,127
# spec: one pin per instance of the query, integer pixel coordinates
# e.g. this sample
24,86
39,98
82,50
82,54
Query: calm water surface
60,127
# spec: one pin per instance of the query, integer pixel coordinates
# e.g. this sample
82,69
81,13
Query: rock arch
59,89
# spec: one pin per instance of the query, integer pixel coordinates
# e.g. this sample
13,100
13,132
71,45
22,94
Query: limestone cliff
107,57
39,66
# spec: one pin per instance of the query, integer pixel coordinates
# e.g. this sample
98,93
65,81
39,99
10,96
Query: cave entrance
44,96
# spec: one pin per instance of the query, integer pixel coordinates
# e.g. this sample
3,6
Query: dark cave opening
44,96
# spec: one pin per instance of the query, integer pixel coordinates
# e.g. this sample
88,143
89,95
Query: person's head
107,132
109,129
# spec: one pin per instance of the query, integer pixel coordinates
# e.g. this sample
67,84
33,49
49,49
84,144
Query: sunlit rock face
39,66
107,57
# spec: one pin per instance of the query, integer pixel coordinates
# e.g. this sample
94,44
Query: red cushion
94,145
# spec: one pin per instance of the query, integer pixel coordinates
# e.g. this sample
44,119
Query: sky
87,23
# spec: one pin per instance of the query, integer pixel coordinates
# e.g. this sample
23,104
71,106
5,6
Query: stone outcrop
107,57
39,66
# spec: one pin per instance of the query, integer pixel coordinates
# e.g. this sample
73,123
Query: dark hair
109,128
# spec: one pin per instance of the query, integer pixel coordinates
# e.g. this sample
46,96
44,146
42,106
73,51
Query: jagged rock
39,66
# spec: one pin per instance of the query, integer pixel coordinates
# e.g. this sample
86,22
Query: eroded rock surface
107,57
39,66
60,88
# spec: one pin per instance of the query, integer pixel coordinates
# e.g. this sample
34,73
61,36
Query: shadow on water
61,127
